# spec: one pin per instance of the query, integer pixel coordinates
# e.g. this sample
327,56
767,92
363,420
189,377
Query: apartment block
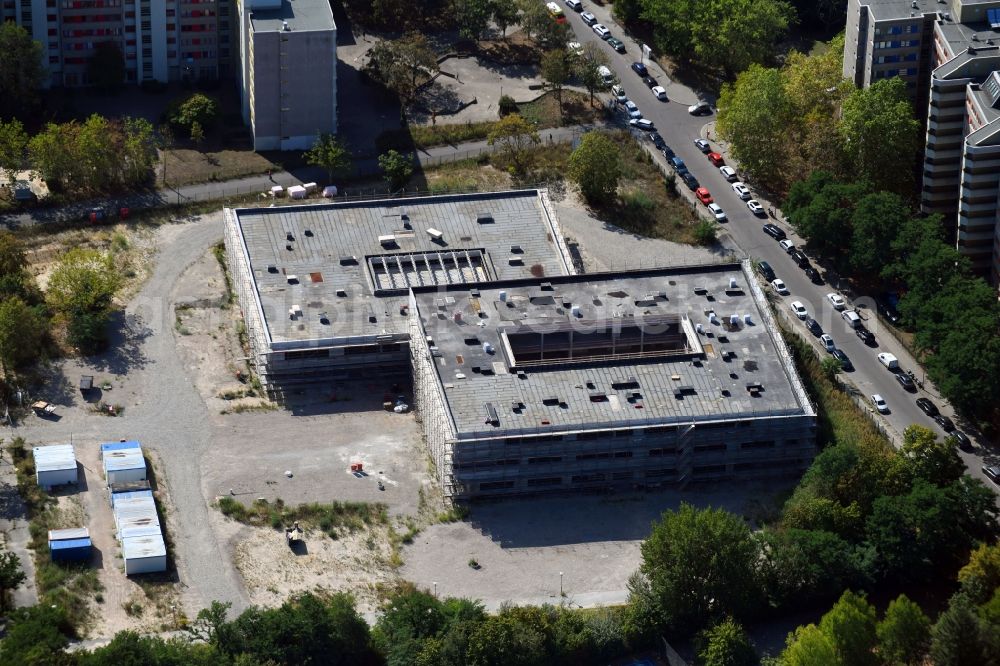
952,55
168,40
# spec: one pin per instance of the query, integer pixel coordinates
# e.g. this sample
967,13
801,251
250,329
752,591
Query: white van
889,361
606,75
851,317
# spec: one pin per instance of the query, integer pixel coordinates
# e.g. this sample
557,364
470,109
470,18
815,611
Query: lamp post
435,588
560,583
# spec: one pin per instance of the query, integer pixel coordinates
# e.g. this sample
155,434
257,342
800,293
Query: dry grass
187,167
576,109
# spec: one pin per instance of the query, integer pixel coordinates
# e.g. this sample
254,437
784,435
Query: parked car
773,230
889,361
880,404
799,309
992,472
865,335
678,164
887,309
800,258
619,94
22,192
703,146
616,44
667,151
765,269
575,5
836,300
716,210
742,191
660,93
728,172
906,382
716,159
814,275
644,124
779,286
755,208
640,69
588,18
650,82
700,109
845,361
703,195
689,180
927,407
827,342
657,140
601,30
962,440
632,110
852,318
786,245
944,422
813,326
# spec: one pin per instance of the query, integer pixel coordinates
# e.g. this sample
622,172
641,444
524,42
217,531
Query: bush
507,105
706,233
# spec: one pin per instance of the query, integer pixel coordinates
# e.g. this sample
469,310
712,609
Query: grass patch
70,585
328,518
187,167
417,137
647,203
219,250
576,109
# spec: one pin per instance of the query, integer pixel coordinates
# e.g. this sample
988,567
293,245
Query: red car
716,159
703,195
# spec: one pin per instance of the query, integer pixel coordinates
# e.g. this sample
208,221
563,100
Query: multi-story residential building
952,55
287,71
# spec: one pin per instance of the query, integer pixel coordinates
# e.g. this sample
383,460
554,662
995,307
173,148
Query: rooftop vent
289,236
293,279
484,218
342,293
516,249
435,234
387,241
308,233
546,286
271,268
348,260
285,26
491,415
915,5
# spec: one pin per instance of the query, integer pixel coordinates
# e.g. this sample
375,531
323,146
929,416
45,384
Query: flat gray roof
889,10
305,15
349,280
712,380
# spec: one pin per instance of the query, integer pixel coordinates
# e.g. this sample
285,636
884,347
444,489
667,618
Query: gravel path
162,409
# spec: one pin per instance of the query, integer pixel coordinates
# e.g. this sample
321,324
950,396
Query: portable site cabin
123,462
70,545
126,487
144,554
55,465
135,515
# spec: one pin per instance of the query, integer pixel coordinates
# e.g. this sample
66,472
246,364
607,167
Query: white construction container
124,464
297,192
310,187
55,465
144,554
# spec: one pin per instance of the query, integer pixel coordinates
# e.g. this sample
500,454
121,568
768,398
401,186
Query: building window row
90,4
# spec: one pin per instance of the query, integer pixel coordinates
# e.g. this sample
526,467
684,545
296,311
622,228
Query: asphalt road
679,129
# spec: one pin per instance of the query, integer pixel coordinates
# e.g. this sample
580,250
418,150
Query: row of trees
966,632
98,155
728,35
863,515
873,236
415,628
782,123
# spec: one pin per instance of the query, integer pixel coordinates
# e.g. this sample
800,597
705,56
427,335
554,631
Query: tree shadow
125,352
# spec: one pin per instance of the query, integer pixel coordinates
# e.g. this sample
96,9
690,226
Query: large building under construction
634,379
528,377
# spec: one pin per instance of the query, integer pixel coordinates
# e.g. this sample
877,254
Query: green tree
727,644
733,34
586,67
515,137
879,135
754,114
830,366
556,71
15,279
982,573
52,154
875,223
106,67
501,640
627,12
930,459
22,73
82,290
396,167
13,149
799,565
21,333
36,636
706,233
956,638
505,15
596,167
809,646
850,626
11,576
402,64
700,564
406,622
328,153
197,133
98,154
672,21
904,633
138,150
472,17
821,211
128,648
196,108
